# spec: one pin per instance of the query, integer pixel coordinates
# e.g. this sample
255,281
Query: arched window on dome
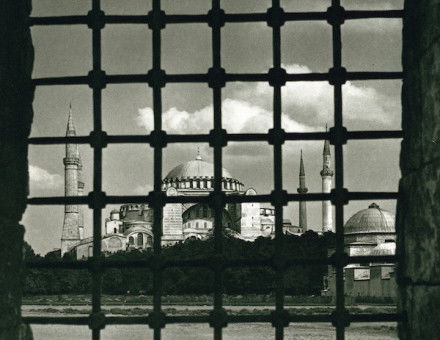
197,225
140,239
131,240
149,241
205,225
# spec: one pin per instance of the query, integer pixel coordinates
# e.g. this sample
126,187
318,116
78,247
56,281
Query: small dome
384,249
195,168
371,220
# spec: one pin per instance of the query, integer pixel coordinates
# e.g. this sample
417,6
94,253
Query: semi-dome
137,229
371,220
195,169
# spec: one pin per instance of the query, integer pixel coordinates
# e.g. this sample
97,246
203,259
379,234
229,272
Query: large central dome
195,169
371,220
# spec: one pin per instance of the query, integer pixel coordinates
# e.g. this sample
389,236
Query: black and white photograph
220,169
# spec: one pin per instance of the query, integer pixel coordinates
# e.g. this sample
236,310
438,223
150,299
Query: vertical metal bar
97,173
158,209
218,233
278,180
339,175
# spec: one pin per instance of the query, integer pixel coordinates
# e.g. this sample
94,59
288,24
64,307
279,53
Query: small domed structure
371,220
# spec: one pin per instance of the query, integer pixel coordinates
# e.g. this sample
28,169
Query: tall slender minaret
70,235
302,189
326,174
80,193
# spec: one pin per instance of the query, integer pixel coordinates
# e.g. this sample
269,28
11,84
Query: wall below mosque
371,281
364,280
110,245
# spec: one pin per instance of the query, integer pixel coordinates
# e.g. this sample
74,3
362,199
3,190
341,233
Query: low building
369,232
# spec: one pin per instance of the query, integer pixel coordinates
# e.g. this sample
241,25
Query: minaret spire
302,189
326,175
71,234
70,131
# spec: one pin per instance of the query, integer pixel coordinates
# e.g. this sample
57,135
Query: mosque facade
130,226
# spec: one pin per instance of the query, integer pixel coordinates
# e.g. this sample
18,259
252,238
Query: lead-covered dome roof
194,169
371,220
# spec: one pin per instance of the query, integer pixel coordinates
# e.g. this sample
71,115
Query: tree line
298,280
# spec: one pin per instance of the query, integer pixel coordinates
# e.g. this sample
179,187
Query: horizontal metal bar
354,195
202,262
375,134
203,78
56,320
231,137
58,20
68,80
391,14
374,75
203,18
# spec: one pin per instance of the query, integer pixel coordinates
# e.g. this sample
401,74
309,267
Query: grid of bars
215,78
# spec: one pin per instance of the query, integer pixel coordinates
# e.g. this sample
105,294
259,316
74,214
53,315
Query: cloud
238,116
313,101
43,179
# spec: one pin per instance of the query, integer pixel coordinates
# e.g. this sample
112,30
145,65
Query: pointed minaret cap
198,157
301,165
326,150
70,127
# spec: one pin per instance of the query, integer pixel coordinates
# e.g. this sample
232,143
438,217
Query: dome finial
198,157
373,205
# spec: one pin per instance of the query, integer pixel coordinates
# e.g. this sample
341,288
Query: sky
372,44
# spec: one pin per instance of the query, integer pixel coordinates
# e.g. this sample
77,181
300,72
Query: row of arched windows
196,225
202,184
138,240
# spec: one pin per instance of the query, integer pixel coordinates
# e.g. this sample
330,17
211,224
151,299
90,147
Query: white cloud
316,98
43,179
238,116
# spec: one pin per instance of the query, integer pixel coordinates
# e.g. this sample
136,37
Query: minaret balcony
71,161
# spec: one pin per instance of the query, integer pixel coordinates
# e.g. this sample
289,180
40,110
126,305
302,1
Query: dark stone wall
16,95
418,211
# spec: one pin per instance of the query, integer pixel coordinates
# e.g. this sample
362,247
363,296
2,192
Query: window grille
215,78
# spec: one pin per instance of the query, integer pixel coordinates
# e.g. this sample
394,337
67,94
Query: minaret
302,189
326,174
80,193
70,235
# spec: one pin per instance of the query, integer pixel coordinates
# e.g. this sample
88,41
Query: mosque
369,231
130,227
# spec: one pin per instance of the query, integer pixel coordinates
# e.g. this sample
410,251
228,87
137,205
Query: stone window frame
216,78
